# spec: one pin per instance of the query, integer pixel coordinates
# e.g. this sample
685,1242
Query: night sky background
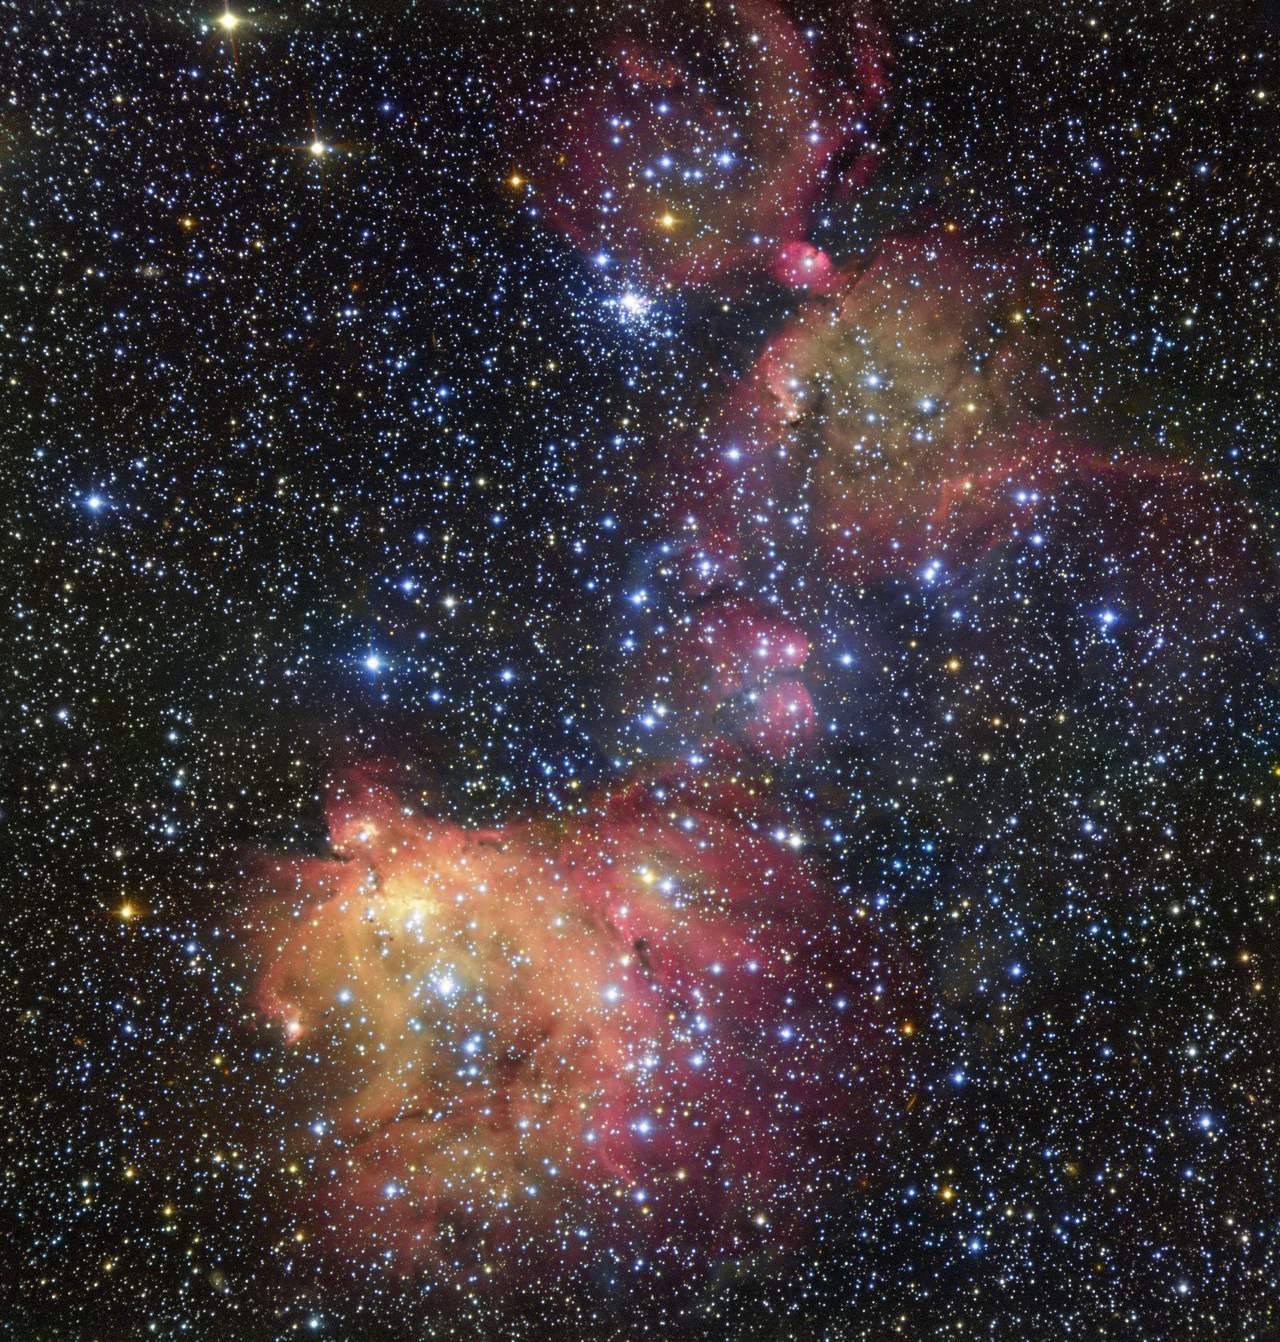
326,450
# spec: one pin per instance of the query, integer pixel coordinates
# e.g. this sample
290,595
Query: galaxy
641,696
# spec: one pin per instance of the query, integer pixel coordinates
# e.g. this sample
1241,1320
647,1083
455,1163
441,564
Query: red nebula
784,717
907,413
801,265
700,139
731,671
931,319
632,1030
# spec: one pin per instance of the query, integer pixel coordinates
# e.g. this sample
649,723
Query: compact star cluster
642,692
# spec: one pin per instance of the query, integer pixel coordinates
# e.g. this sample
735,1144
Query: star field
641,686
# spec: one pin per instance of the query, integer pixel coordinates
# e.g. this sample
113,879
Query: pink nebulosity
899,397
801,265
634,1028
731,671
700,139
783,717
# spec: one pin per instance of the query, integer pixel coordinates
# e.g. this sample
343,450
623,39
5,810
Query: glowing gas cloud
634,1029
730,672
695,140
899,386
653,1026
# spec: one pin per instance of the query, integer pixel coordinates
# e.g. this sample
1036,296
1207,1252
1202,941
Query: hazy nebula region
642,1028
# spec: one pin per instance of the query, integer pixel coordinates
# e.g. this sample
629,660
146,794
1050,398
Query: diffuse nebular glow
773,568
701,145
634,1028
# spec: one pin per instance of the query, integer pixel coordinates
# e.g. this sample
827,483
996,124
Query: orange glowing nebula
913,378
632,1028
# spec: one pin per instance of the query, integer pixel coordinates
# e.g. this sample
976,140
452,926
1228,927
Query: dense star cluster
642,689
